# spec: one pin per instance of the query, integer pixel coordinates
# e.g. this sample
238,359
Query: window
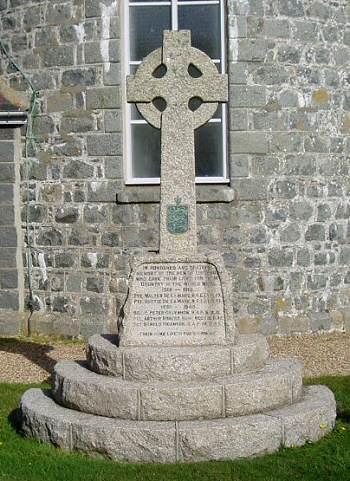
144,25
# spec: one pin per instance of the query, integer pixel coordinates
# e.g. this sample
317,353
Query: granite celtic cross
176,87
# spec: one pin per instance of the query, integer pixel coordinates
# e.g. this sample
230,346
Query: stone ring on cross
177,73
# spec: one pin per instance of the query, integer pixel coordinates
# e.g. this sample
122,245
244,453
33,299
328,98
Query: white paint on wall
80,32
234,50
42,265
243,7
92,256
107,11
39,302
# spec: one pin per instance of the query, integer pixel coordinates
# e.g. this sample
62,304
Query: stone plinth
178,404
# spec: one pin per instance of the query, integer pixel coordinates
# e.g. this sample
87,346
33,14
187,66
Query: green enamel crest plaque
177,218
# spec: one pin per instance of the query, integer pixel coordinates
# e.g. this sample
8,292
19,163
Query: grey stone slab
176,363
126,441
309,419
6,194
178,300
294,370
175,303
250,352
7,151
78,388
8,237
151,194
103,356
7,173
267,388
168,402
7,213
228,438
9,300
11,322
45,421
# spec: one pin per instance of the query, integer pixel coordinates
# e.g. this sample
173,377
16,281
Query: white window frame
129,179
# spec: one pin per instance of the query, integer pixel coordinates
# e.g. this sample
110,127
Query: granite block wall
282,224
11,266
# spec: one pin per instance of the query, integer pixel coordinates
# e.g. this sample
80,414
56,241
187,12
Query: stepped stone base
178,404
277,384
309,419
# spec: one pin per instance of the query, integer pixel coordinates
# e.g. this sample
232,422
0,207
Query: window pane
145,151
218,113
204,23
146,29
208,146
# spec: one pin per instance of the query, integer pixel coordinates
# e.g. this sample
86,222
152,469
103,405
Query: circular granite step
190,441
277,384
170,364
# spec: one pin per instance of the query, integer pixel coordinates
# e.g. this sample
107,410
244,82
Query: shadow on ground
15,420
35,352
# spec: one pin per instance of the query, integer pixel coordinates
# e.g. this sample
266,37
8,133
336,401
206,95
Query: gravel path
322,354
27,361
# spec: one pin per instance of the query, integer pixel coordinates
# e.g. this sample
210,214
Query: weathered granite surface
277,384
189,441
177,123
192,363
310,419
177,297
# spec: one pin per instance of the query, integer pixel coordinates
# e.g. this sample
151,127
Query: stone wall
11,265
284,237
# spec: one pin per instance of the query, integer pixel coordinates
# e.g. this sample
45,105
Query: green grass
25,460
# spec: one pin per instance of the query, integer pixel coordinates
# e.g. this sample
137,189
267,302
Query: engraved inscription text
176,303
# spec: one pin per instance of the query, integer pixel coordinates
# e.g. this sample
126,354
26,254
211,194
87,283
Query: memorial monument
178,383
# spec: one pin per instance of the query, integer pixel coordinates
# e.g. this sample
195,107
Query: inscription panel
175,304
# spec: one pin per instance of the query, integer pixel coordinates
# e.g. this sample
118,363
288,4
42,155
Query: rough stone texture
289,112
176,363
115,439
78,388
309,419
229,438
277,384
249,353
168,442
11,264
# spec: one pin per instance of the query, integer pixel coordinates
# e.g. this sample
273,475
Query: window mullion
174,15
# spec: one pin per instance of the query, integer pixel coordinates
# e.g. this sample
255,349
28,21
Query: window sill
151,194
